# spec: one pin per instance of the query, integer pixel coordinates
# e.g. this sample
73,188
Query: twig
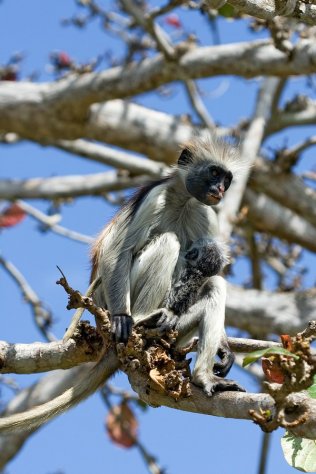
286,159
50,223
309,175
10,383
149,459
197,104
158,11
298,373
110,389
161,38
76,317
266,440
277,95
254,260
111,157
42,316
309,332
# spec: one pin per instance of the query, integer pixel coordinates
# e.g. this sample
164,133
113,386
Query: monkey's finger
130,324
126,328
123,336
121,328
113,328
228,386
118,329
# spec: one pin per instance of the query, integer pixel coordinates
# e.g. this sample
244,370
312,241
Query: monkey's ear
185,158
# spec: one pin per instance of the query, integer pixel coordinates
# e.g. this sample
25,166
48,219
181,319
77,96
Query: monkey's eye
228,180
214,172
226,183
192,254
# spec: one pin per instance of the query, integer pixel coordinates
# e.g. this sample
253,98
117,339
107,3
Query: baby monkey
204,259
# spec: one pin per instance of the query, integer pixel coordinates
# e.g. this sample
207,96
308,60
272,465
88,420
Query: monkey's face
208,182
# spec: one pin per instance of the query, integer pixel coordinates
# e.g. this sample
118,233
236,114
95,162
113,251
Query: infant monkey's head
207,257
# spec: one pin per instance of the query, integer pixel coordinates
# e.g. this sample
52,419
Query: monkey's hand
162,320
121,327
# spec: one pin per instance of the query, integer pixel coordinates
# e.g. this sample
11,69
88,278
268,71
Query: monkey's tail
33,418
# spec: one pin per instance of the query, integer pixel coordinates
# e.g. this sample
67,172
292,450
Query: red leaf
173,20
122,425
64,59
11,216
287,342
272,369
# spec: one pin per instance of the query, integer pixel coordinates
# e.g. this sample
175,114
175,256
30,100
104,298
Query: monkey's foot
162,320
213,384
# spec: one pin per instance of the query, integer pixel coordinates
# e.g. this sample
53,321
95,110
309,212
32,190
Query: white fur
139,258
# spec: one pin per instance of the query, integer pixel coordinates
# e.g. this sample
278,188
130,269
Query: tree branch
110,157
66,186
267,215
62,106
42,316
50,223
49,387
266,312
269,9
287,189
249,150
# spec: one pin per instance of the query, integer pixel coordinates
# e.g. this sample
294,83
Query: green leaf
312,389
254,356
299,452
227,11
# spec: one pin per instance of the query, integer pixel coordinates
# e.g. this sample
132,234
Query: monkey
140,256
205,258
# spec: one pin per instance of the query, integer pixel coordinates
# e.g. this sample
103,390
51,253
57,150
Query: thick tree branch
44,357
52,105
49,387
249,150
287,189
226,404
111,157
266,312
269,9
66,186
267,215
259,312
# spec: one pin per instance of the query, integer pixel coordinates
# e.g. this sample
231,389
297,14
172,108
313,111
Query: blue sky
76,442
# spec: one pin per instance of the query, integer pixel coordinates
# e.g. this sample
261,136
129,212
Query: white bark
265,312
268,216
55,105
249,150
269,9
66,186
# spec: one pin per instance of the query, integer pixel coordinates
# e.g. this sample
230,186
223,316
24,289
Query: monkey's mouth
213,197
